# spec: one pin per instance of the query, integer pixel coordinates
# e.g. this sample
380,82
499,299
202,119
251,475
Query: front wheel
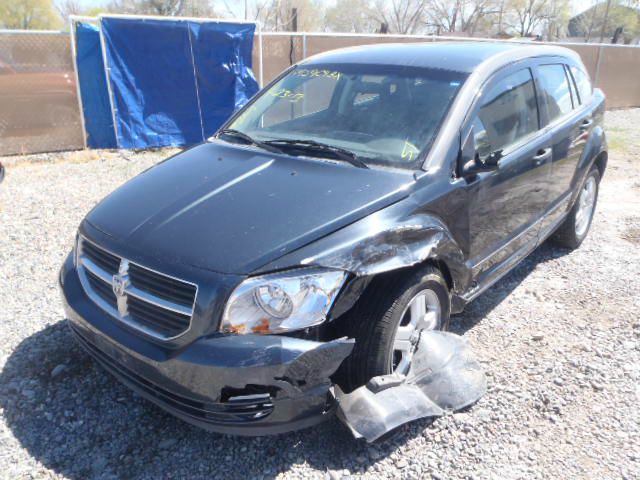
387,322
574,229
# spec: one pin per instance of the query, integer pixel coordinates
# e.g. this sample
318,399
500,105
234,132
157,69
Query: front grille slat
164,287
102,289
150,314
105,260
153,303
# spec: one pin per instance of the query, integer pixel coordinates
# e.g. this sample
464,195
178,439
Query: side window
508,114
555,89
583,83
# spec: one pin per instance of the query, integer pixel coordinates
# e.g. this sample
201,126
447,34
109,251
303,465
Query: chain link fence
613,68
39,110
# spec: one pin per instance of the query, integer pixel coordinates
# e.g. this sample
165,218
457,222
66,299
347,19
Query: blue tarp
222,54
175,82
93,88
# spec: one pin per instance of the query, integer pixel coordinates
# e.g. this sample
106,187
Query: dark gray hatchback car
357,201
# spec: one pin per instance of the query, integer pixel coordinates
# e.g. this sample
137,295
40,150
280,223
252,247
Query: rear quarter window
583,83
555,90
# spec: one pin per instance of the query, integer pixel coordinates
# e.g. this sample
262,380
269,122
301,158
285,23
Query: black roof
458,56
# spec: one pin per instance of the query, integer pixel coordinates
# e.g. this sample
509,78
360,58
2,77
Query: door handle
586,123
540,157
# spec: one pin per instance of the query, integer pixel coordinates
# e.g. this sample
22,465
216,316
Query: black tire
373,321
566,234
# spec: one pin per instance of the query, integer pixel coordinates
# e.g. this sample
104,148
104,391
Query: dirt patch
632,235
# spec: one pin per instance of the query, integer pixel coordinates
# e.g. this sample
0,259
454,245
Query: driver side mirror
475,155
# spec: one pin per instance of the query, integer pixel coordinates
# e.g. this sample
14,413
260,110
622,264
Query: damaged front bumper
244,385
267,384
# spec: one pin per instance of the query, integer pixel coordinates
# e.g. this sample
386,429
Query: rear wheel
387,322
574,229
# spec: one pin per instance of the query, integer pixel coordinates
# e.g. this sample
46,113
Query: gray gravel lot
559,338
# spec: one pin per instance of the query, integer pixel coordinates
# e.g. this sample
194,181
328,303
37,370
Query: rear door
568,123
506,204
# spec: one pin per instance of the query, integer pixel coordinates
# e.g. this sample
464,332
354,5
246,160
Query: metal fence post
260,56
107,74
74,59
304,46
597,74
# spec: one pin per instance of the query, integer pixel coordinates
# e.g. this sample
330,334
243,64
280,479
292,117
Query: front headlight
282,302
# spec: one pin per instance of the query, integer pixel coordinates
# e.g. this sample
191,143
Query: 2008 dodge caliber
356,202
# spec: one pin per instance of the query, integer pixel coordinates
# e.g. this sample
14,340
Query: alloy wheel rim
586,202
422,313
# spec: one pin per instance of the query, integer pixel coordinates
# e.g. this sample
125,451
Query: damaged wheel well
373,318
410,270
359,287
601,162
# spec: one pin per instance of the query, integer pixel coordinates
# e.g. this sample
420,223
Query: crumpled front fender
382,242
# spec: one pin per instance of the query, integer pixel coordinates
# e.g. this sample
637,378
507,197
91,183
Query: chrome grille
154,303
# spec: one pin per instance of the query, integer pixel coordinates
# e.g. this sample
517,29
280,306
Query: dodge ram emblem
119,284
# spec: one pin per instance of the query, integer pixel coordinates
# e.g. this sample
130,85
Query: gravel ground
559,338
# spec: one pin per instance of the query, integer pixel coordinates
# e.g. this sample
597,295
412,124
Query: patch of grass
617,142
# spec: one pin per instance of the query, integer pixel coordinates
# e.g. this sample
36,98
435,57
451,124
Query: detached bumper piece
444,375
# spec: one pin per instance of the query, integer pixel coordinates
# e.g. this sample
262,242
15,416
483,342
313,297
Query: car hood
232,209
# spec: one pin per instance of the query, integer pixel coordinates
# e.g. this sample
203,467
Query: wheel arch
601,161
358,286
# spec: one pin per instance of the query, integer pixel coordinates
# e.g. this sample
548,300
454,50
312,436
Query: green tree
596,21
621,16
28,14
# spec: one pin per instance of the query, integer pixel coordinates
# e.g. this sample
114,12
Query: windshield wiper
312,145
232,132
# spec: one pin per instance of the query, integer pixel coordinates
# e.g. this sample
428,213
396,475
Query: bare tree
170,8
68,7
591,22
459,15
277,15
529,15
355,16
402,16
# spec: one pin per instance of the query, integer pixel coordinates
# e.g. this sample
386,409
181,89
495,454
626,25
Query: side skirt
500,270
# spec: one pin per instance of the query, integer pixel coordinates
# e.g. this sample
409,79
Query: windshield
383,114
